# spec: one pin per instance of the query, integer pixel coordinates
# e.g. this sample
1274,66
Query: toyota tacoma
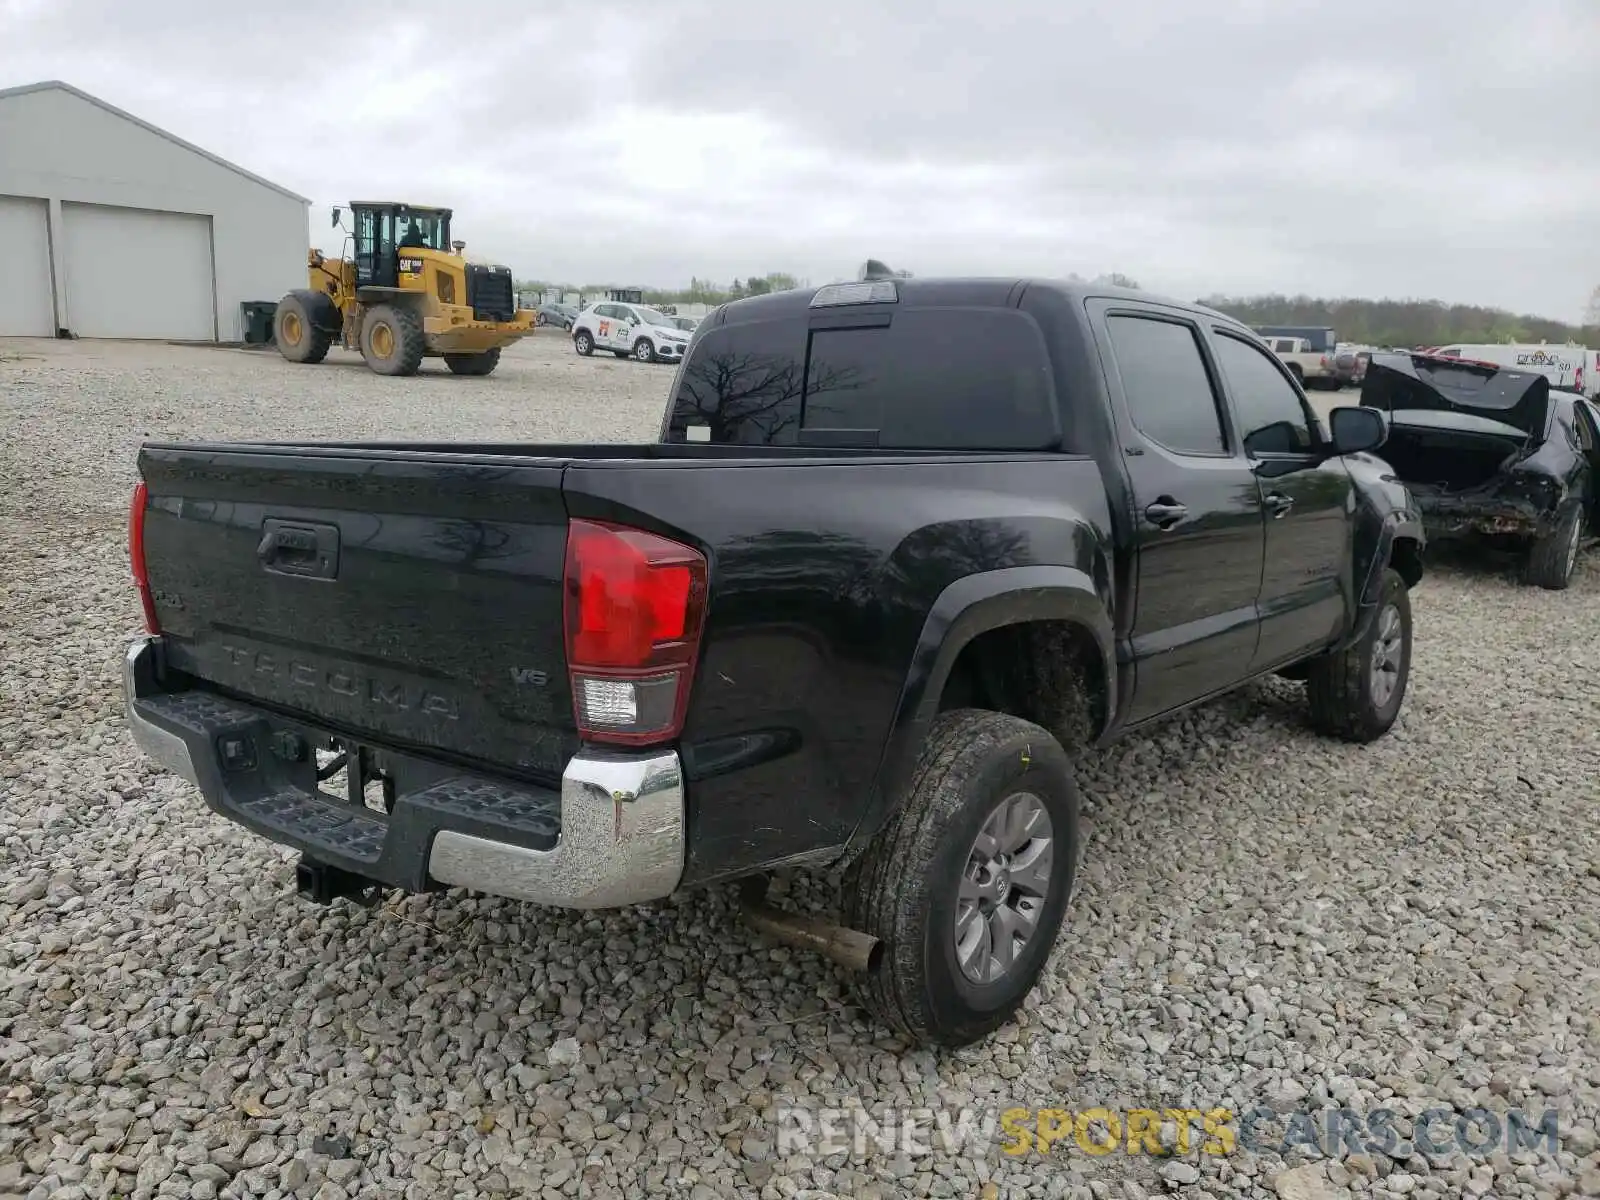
902,548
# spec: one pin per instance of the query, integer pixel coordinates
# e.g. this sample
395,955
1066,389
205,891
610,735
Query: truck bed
441,634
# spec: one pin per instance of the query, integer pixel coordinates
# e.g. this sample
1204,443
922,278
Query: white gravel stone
1263,917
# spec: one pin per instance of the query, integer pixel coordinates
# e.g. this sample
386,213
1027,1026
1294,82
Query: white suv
626,330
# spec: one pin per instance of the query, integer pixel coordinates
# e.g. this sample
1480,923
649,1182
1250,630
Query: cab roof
414,207
975,291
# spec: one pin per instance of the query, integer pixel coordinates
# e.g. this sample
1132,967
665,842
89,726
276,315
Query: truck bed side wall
823,576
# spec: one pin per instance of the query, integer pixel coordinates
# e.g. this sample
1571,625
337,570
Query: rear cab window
881,376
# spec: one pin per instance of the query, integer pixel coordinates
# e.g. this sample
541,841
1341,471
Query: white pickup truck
629,330
1311,368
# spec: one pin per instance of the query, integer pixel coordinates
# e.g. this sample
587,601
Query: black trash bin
258,316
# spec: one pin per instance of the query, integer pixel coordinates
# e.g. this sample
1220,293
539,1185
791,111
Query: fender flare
973,605
1397,525
323,312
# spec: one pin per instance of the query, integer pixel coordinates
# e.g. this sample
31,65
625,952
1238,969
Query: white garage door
25,303
137,274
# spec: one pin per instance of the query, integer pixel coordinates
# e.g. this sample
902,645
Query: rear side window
933,379
1166,385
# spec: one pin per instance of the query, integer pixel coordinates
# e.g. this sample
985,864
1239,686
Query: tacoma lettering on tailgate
379,693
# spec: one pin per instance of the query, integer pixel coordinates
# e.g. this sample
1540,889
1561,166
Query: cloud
1431,148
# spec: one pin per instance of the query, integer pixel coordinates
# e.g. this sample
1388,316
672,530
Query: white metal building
113,228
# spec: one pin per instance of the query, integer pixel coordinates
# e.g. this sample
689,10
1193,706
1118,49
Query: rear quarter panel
822,577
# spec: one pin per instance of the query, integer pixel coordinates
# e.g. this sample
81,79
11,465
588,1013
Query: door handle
1278,504
1165,512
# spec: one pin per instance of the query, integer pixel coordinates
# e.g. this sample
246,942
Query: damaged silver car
1492,454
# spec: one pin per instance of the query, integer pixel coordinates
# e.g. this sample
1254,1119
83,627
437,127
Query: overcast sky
1401,148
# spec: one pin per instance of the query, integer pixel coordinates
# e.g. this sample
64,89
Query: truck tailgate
412,598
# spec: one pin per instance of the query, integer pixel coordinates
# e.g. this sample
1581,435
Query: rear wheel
1356,693
1299,373
298,339
967,884
1554,557
392,341
583,342
473,364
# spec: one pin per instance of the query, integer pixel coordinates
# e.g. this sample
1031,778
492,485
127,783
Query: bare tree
754,398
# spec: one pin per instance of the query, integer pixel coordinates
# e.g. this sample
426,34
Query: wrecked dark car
1492,454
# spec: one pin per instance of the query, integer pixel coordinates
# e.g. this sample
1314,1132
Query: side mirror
1353,430
337,213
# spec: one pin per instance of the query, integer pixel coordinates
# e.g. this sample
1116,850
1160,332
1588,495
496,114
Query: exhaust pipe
849,948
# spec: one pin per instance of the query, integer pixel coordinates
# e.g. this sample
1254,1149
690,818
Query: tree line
1372,322
1408,322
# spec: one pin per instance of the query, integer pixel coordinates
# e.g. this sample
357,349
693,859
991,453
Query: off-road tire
1553,558
1339,685
583,342
644,350
407,345
473,364
298,338
904,887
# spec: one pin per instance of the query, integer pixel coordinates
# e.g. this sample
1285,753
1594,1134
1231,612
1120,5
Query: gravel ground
1263,916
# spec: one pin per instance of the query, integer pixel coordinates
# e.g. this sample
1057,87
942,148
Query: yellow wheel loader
405,293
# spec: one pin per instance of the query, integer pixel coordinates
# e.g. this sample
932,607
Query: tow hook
848,947
322,884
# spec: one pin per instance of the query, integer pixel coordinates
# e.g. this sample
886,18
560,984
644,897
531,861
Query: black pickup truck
902,549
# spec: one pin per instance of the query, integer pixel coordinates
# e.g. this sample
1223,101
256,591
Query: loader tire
473,364
298,338
392,341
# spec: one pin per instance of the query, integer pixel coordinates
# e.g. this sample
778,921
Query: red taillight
633,609
1324,360
141,579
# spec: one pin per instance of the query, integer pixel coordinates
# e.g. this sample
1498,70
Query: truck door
1307,594
1200,537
